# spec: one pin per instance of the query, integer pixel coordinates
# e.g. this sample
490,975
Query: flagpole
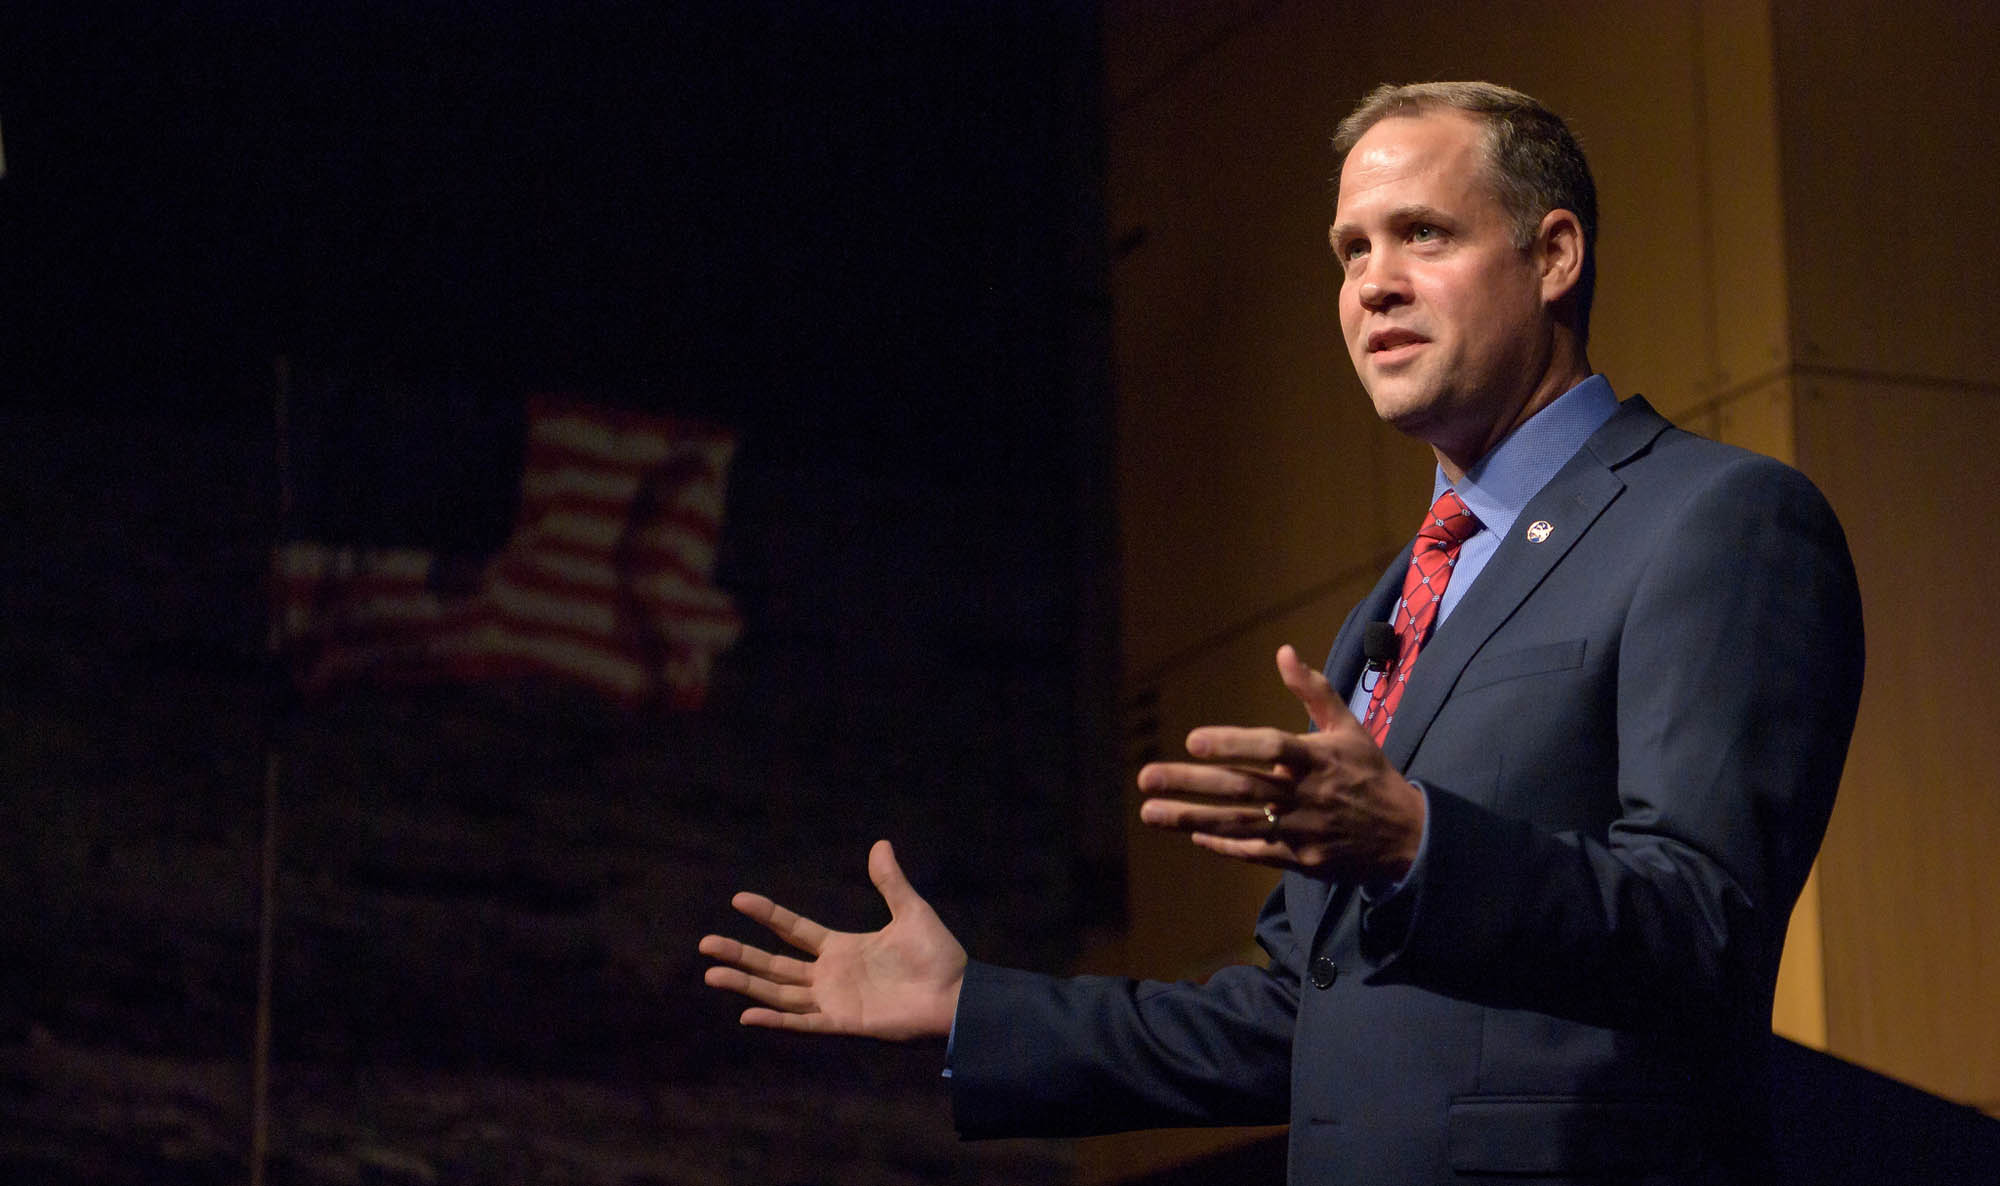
267,863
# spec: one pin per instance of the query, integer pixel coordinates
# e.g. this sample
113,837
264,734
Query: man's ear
1559,253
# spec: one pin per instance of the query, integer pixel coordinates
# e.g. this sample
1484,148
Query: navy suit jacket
1630,733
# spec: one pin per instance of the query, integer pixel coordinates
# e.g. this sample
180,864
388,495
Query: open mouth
1390,344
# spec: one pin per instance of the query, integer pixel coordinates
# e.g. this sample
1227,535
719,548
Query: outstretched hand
1325,802
899,983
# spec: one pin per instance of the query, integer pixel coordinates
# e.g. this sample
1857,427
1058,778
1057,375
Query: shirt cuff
950,1041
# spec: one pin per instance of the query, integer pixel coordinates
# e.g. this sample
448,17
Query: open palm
900,982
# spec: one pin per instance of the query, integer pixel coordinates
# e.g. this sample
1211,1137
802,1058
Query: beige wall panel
1910,893
1247,453
1151,40
1629,87
1703,420
1747,302
1887,114
1761,418
1798,1006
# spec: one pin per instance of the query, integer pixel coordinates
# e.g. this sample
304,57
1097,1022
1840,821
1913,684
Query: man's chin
1400,408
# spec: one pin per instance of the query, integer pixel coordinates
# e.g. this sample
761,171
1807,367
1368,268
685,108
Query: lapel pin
1539,530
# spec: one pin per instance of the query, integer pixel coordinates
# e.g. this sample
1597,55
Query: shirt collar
1497,488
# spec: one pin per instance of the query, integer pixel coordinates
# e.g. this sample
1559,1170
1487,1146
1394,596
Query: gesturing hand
898,983
1326,801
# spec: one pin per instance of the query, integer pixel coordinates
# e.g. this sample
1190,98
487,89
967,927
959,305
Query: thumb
1311,688
889,881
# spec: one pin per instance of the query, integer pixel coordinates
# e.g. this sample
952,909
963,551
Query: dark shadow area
864,240
1843,1125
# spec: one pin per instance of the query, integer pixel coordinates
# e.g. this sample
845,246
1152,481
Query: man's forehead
1398,140
1442,147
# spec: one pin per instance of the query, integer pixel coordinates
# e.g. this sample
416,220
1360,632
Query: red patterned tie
1447,526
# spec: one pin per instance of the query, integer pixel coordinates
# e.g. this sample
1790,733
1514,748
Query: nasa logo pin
1539,530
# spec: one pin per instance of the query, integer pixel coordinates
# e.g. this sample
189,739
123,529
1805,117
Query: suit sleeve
1737,676
1038,1055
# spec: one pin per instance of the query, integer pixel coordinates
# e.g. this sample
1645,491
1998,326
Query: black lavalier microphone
1378,642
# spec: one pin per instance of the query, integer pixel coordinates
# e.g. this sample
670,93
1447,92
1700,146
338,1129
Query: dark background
866,237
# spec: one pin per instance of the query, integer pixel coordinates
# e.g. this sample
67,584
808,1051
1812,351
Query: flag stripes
606,580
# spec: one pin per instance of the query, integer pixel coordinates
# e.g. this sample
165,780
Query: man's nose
1382,284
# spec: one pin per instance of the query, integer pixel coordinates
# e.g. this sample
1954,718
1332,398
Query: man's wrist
1395,872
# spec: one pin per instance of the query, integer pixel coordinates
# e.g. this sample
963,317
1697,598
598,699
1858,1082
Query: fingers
1252,746
792,998
1321,703
773,1019
1205,818
780,984
1234,783
1259,852
776,968
795,929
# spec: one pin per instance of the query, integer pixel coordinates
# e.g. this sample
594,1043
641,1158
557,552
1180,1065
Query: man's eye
1423,234
1353,249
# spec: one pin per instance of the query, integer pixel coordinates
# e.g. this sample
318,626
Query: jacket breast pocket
1525,661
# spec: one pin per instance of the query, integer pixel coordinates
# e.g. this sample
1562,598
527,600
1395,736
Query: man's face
1443,315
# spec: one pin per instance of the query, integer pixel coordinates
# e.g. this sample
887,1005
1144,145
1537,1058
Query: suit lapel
1570,504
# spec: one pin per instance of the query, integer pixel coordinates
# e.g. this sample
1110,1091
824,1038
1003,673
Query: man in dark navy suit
1570,761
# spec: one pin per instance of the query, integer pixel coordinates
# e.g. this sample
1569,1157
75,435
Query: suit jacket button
1323,971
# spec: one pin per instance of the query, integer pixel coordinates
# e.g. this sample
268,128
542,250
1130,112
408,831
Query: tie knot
1449,522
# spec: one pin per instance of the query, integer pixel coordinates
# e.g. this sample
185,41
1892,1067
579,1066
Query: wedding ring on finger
1271,822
